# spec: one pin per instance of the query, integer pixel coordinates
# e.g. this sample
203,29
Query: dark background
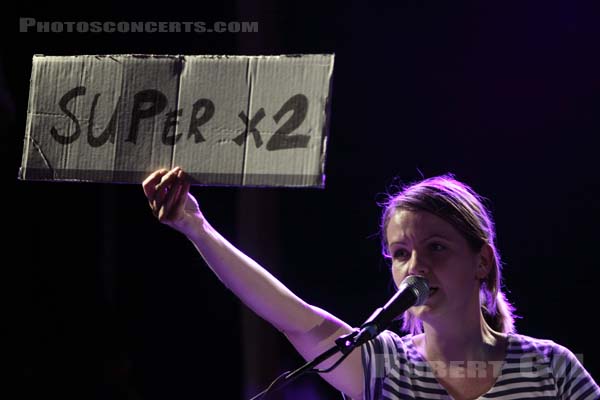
103,302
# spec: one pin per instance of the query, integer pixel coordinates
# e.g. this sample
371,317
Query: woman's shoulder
524,345
530,341
390,342
534,355
402,340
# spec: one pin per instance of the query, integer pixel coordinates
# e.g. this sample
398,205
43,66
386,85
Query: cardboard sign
226,120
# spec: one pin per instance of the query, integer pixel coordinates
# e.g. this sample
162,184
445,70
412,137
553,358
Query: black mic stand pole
344,344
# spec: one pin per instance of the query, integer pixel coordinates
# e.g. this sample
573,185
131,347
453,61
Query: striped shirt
532,368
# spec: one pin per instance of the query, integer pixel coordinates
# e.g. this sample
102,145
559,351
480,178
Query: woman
462,341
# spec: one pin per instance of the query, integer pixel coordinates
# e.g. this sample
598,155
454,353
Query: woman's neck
461,341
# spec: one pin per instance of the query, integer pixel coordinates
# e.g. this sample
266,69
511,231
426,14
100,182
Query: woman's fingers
164,187
150,182
185,189
168,209
177,202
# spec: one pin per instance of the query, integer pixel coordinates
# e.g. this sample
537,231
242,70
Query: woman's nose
417,266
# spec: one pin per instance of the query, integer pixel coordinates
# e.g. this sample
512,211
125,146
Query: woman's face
421,243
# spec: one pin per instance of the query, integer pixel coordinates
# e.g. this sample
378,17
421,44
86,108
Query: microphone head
418,285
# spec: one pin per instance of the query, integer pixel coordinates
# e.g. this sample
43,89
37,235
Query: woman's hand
170,200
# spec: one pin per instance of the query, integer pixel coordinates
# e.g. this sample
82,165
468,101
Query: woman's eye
437,246
400,253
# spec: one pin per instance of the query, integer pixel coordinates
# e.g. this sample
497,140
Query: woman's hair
457,204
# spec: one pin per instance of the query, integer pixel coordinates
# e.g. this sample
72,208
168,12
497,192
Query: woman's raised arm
310,329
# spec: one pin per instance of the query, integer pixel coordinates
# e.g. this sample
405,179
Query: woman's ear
486,261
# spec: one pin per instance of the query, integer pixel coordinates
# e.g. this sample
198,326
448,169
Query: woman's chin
421,311
429,309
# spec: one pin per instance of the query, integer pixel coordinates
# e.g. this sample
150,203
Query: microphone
413,291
